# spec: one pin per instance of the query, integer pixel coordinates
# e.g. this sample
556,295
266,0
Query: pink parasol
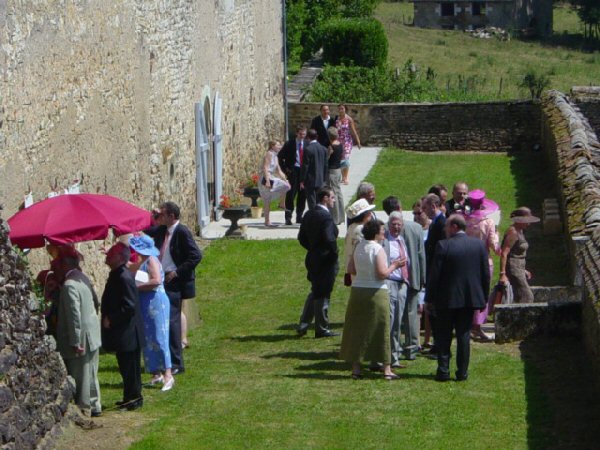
73,218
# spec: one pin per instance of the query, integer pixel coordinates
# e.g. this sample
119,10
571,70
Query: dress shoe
119,403
397,365
132,405
96,413
176,371
301,331
288,221
462,376
156,380
298,219
442,377
326,335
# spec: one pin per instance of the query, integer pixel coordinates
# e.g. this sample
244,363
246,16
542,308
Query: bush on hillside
360,42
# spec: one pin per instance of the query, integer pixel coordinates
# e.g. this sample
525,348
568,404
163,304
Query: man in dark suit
314,170
122,325
457,285
318,234
321,123
460,192
179,256
431,206
290,160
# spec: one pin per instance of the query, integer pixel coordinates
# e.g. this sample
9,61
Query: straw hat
358,207
523,215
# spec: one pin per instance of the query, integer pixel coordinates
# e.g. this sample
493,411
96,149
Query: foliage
295,27
359,8
535,83
251,181
361,42
589,13
353,84
498,66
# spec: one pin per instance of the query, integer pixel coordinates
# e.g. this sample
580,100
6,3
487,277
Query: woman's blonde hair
333,133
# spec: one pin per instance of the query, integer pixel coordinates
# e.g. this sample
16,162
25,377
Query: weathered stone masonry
487,127
34,391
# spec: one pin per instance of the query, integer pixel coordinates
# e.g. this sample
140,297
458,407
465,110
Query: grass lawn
454,53
520,179
251,383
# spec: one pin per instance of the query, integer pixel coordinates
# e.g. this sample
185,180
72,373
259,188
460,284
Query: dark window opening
447,9
478,8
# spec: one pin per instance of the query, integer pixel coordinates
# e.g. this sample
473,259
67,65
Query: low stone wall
553,294
518,321
573,146
34,391
587,99
486,127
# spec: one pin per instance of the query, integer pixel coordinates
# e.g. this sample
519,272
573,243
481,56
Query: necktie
163,247
404,268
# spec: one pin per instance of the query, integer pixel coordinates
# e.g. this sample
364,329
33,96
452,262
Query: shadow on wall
563,407
535,180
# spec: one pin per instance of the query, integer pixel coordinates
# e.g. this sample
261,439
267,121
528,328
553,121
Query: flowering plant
251,181
227,201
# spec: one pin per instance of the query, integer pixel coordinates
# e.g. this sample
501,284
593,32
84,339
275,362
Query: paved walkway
362,161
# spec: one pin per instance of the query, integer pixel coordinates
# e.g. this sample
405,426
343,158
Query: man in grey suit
404,239
458,284
78,332
314,170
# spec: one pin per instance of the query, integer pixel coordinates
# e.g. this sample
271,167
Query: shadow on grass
563,406
573,41
309,356
534,182
294,326
265,338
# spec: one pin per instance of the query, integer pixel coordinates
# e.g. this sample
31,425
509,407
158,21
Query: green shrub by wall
360,42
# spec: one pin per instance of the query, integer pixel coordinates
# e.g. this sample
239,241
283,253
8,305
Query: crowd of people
319,156
435,269
139,313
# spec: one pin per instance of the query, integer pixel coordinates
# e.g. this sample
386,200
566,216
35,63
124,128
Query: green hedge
360,42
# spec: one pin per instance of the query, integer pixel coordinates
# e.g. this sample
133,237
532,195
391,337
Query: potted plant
250,188
233,211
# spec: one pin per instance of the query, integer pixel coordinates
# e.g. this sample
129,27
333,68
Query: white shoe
156,380
168,385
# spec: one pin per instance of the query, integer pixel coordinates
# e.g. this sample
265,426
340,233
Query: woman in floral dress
346,132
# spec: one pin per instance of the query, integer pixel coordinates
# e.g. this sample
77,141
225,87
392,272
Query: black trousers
130,368
175,325
294,192
316,304
446,321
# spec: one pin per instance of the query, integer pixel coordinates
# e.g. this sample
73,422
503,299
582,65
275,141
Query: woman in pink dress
346,132
482,226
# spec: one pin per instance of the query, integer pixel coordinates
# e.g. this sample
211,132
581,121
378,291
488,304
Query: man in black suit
321,123
318,234
290,160
179,256
314,170
460,192
457,285
122,325
431,205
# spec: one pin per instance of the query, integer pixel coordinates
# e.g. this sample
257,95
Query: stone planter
253,194
256,212
234,214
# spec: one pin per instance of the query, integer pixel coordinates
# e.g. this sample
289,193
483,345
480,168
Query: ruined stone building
535,15
148,100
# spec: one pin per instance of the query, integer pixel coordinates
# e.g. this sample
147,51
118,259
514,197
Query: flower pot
256,212
235,213
252,193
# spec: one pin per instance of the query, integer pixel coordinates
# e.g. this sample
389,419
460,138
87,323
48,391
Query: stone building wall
34,391
487,127
105,92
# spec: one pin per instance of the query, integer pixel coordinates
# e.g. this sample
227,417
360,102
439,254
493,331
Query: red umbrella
75,218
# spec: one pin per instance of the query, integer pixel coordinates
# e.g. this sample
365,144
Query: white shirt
167,260
395,243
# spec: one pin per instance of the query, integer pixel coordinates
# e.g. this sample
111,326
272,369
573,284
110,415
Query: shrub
360,42
536,83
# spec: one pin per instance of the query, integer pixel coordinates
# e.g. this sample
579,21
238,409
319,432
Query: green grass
520,179
454,53
251,383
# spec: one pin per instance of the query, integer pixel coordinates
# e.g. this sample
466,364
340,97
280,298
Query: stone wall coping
434,104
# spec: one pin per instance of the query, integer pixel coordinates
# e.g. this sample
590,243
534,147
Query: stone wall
104,92
573,146
487,127
34,391
587,98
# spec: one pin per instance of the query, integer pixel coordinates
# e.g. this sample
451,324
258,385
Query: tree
589,13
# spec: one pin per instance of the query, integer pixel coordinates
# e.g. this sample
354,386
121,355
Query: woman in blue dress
154,304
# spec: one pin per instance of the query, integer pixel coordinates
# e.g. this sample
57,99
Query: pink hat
480,206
